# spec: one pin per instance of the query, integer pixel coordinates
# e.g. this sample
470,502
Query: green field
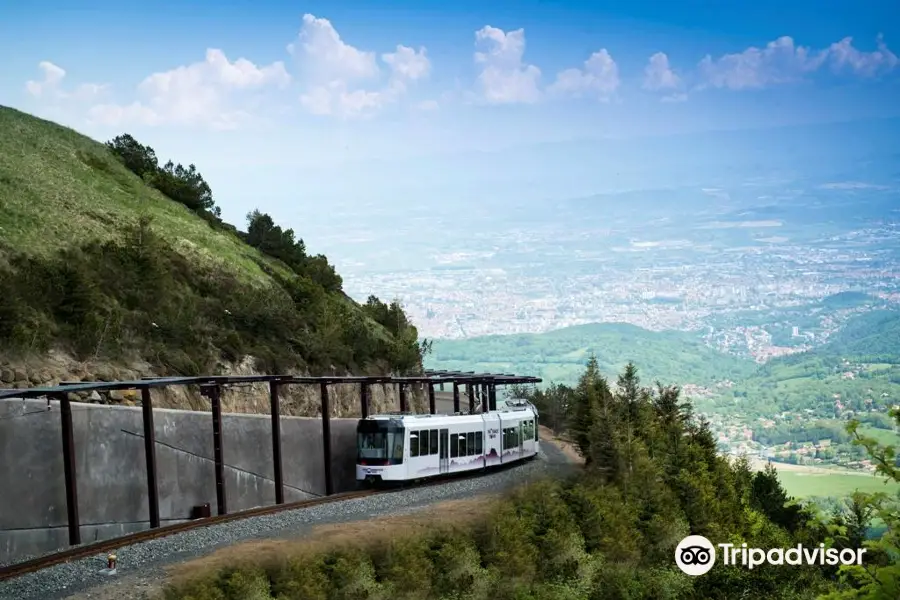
882,436
805,485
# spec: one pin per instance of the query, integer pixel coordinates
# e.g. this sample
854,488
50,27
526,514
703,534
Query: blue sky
280,99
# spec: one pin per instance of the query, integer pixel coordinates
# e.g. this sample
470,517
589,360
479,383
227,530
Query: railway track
88,550
105,546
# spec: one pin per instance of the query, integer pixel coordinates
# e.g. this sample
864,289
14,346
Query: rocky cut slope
105,276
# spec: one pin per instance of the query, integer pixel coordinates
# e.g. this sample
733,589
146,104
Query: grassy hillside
97,261
560,355
59,188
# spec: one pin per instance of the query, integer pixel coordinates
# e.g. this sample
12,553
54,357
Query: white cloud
335,74
658,75
781,61
52,76
407,63
325,58
203,93
50,88
843,55
504,78
599,77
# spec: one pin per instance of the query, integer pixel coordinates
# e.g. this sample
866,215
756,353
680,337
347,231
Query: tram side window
536,431
479,442
433,440
527,430
462,445
454,448
423,442
470,443
414,443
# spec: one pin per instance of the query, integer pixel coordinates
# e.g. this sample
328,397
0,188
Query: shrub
141,298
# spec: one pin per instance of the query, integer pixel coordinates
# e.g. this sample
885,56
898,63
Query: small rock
95,397
19,375
7,375
117,395
105,373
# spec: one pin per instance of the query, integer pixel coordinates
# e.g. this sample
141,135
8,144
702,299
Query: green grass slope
96,262
560,356
59,188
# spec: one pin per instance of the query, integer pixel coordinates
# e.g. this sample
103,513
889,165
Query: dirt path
547,435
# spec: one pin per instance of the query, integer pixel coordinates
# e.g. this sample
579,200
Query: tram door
444,451
521,438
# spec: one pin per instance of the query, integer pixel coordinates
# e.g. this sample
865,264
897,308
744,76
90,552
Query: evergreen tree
768,496
584,407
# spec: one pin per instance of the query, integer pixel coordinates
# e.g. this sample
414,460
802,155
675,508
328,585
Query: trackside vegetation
109,255
651,476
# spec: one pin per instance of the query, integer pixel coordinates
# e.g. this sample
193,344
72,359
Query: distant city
656,285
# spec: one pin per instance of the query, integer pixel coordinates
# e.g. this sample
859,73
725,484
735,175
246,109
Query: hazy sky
286,105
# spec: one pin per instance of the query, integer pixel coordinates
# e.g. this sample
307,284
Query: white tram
408,447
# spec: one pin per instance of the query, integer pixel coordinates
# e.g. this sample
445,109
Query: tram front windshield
378,444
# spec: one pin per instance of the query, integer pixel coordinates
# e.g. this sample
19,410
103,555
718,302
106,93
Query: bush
140,298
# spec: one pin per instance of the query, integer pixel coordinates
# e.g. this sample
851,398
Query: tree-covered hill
858,369
560,355
109,254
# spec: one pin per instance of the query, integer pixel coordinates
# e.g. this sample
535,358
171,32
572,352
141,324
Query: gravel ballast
147,559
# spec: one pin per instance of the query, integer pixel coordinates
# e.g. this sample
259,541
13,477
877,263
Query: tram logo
492,433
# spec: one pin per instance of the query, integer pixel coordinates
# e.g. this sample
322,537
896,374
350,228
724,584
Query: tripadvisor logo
696,555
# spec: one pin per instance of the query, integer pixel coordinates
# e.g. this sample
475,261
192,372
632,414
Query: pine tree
583,408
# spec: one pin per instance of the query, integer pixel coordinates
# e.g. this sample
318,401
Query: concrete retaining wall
111,472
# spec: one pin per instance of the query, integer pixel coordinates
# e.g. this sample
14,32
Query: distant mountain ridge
673,356
560,355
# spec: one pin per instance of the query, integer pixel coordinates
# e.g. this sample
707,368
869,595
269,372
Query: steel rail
92,549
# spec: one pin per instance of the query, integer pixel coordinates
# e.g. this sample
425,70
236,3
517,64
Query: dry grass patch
322,539
325,538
